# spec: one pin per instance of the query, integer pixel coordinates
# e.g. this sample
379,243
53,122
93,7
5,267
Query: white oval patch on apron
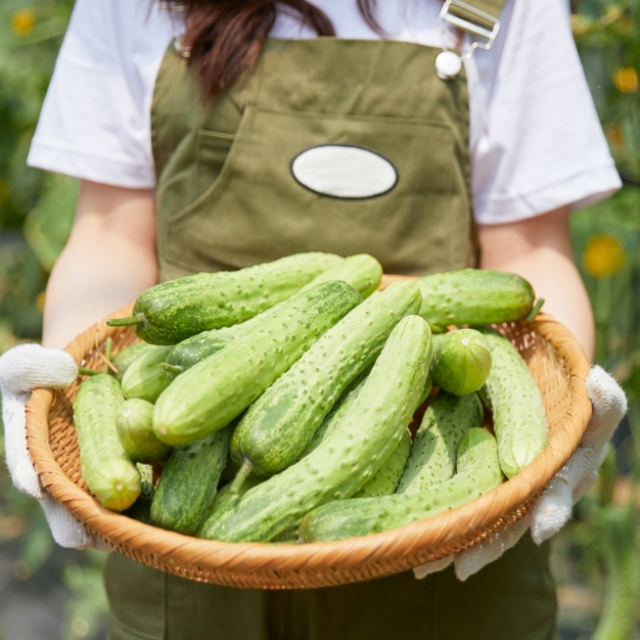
344,171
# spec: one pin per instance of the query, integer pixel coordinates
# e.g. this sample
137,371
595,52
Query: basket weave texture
554,357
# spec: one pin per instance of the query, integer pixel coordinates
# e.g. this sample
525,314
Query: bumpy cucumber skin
519,417
385,481
474,297
134,423
177,309
196,348
478,473
226,494
278,426
362,271
188,485
140,510
145,378
127,356
433,454
215,391
109,474
461,361
347,458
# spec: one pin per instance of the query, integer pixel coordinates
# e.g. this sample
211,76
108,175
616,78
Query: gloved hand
553,509
22,369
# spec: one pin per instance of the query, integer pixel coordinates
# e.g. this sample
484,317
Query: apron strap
481,18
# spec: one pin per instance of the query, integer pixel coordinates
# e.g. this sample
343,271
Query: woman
196,163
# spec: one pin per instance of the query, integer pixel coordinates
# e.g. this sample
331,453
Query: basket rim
440,531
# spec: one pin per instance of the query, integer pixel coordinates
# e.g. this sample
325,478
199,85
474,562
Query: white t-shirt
536,142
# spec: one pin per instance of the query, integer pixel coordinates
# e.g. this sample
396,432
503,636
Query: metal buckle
471,27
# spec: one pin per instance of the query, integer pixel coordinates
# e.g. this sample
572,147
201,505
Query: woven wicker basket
555,359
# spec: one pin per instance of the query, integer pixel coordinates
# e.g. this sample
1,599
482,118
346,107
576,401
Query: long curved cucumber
519,417
478,473
145,378
218,389
109,474
433,454
177,309
346,459
277,427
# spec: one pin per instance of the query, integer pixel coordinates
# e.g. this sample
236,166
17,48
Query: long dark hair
225,37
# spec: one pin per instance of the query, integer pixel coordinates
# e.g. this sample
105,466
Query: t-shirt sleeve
95,120
536,141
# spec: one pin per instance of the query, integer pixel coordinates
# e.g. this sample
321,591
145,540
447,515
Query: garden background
50,593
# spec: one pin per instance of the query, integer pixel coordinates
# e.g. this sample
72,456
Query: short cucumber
474,297
216,390
109,474
135,430
346,459
433,454
519,417
279,425
478,473
127,356
145,378
189,482
172,311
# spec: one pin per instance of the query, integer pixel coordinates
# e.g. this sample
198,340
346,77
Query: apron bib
256,175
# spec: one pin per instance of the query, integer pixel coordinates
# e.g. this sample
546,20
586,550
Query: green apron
227,198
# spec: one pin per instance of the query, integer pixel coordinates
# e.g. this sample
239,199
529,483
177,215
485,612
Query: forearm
540,251
109,259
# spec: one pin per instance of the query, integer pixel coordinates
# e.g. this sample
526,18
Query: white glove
23,369
553,509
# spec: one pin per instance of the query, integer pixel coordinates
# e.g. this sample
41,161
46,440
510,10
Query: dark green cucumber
347,458
145,378
135,430
478,473
177,309
109,474
433,455
385,481
127,356
461,361
279,425
218,389
140,510
474,297
189,483
519,417
227,494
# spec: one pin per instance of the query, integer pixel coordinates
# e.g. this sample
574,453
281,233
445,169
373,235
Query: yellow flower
22,22
603,256
626,80
614,134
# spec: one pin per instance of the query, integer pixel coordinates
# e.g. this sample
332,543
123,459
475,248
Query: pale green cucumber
278,426
519,418
347,458
461,361
478,473
386,479
218,389
145,378
109,474
189,482
362,271
135,430
433,454
127,356
177,309
473,297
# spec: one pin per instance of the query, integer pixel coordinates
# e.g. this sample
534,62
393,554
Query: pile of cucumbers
275,403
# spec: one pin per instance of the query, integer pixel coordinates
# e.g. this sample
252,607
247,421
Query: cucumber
145,378
478,473
474,297
385,481
109,474
134,423
218,389
177,309
189,482
362,271
226,495
461,361
433,455
519,418
279,425
140,510
347,458
127,356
